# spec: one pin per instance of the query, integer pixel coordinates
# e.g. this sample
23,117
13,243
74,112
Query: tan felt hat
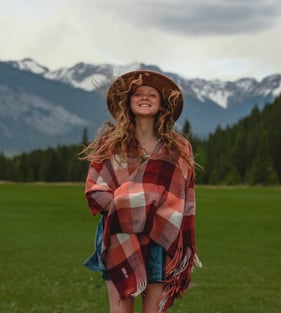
159,81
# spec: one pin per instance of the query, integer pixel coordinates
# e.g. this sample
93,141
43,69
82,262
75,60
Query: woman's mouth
144,105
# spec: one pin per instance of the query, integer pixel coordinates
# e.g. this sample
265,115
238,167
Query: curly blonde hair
121,138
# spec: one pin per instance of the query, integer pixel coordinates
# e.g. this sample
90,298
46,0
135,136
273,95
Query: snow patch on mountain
29,65
276,92
246,84
215,91
220,97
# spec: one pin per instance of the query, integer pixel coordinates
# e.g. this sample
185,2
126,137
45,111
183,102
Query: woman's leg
117,305
151,297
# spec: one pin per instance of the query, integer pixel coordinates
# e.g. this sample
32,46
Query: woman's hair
121,138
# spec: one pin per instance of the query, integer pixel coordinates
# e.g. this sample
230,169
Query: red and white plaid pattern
153,200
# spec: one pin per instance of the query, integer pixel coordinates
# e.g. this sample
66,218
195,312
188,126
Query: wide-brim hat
154,79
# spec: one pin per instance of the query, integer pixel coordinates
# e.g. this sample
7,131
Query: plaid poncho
144,201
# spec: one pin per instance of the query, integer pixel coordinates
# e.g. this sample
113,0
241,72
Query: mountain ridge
39,107
89,77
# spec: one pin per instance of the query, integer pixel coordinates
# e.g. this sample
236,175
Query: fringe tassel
173,264
197,261
178,279
140,289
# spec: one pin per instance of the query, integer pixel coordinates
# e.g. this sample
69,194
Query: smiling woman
141,182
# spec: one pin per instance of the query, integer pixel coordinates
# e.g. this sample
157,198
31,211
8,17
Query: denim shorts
155,262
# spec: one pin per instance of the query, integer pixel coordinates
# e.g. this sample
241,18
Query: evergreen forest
246,153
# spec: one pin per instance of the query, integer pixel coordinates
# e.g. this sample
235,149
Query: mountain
40,107
36,112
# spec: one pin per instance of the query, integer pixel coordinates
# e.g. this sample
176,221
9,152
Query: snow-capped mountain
36,112
223,93
40,107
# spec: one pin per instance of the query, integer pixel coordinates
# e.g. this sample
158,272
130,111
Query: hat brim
159,81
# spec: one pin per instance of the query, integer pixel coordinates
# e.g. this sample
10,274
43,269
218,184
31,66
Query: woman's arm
99,188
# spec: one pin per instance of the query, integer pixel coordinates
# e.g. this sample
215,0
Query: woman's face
145,101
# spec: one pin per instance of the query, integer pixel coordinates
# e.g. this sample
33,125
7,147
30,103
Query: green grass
46,232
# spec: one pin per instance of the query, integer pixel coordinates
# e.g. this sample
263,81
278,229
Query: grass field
46,232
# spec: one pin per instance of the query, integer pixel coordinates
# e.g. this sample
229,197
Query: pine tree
85,140
262,170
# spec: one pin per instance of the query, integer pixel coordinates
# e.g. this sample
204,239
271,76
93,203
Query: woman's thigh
151,298
117,305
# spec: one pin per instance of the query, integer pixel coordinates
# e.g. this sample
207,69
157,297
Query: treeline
247,153
51,165
60,164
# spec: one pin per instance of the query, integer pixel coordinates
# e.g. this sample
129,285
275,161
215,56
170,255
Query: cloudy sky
209,39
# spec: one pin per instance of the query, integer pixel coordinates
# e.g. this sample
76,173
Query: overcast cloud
193,17
225,39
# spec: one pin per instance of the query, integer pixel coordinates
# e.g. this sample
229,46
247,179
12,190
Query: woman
141,181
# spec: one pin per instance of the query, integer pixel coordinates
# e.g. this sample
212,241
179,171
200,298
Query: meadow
46,232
